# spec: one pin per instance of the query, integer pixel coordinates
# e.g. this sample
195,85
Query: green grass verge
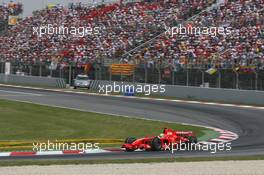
31,122
154,160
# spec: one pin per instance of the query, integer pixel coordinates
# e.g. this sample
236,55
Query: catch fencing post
30,70
159,75
51,71
256,80
70,74
202,76
100,72
96,72
2,66
60,72
134,75
40,70
173,77
110,74
237,79
219,78
146,74
187,76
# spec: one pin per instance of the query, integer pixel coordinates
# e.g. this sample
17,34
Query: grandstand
244,47
135,33
122,30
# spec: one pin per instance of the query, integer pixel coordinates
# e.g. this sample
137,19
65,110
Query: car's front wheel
129,150
156,144
130,140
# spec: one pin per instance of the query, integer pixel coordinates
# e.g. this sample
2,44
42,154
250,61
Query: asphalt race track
247,123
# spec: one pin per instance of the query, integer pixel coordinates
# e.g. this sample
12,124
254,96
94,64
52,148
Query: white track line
20,93
47,153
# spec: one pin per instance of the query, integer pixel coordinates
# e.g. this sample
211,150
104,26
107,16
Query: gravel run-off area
183,168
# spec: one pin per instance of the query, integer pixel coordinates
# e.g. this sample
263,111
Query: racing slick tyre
191,143
129,150
194,140
156,144
130,140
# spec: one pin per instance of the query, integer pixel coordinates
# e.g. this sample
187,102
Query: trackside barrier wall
32,81
197,93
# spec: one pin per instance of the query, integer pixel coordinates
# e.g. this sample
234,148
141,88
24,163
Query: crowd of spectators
125,26
243,47
122,27
3,12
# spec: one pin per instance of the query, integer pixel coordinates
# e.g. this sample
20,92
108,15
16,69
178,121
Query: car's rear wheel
130,140
191,143
192,139
156,144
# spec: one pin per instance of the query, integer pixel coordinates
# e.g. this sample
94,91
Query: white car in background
82,81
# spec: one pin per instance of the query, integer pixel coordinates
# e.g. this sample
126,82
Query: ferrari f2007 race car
166,139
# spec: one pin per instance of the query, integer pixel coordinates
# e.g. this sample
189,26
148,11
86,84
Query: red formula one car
166,139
